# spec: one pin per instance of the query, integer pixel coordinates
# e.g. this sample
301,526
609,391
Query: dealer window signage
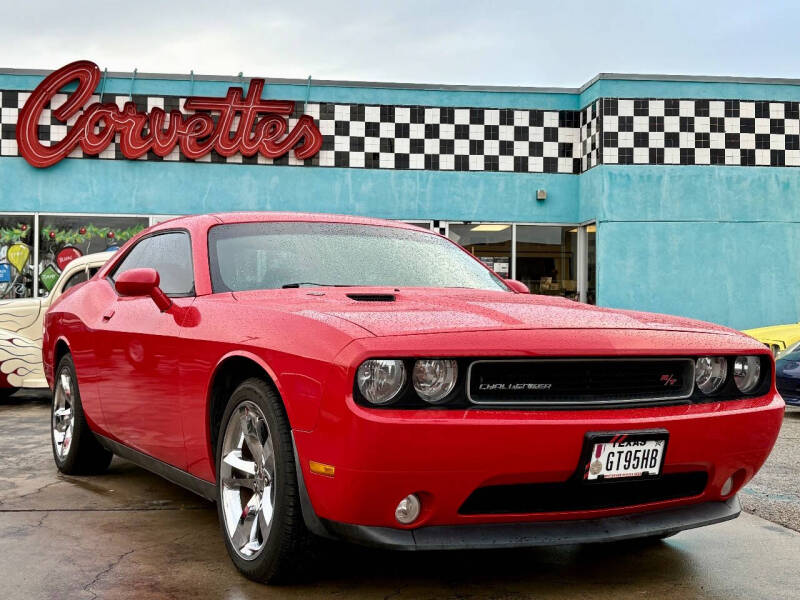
262,126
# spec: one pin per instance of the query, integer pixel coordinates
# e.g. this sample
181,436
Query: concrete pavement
130,534
774,493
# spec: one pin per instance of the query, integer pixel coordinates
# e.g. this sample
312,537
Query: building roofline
685,78
435,86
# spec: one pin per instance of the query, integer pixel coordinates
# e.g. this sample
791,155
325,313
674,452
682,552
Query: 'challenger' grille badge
514,387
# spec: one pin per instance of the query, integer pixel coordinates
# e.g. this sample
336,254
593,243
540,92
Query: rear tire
258,502
6,393
75,449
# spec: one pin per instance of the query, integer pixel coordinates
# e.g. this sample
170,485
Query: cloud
509,43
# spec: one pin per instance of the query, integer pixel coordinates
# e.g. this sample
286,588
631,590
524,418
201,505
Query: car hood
788,334
414,311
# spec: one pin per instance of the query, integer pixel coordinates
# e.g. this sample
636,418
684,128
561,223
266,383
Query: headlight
380,380
710,373
747,373
434,379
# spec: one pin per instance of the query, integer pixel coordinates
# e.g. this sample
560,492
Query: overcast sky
562,43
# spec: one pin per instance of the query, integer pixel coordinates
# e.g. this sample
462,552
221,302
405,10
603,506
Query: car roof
191,221
95,258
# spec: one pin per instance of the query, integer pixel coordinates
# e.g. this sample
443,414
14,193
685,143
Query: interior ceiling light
490,227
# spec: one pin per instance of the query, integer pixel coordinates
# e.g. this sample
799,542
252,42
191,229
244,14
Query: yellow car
776,337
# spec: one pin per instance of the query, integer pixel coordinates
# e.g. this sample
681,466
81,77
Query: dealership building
662,193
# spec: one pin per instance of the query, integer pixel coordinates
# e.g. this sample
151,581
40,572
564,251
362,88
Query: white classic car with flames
21,327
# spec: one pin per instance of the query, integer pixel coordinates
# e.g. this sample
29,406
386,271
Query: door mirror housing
517,286
143,282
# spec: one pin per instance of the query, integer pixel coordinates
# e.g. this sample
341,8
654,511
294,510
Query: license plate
625,455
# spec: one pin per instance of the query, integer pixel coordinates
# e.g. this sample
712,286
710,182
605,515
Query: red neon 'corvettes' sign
262,124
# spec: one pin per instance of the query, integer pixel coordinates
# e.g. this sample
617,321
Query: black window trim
190,294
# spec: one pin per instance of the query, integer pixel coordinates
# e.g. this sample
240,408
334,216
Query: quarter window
168,253
75,279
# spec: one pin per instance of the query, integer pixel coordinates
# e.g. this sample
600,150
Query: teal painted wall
716,243
117,186
738,274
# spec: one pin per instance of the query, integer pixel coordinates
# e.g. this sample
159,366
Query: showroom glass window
168,253
16,256
547,259
490,242
63,238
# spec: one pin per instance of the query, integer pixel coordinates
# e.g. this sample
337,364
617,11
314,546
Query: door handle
107,315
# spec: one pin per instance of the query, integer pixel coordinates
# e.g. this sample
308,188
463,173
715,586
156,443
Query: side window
168,253
75,279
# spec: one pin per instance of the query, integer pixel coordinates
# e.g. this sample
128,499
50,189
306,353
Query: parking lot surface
774,493
130,534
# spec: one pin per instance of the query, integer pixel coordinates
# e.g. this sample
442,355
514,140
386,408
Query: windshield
252,256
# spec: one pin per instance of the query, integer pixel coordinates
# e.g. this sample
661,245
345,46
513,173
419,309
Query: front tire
257,494
75,449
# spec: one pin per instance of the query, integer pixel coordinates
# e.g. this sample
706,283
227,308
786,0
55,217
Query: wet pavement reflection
130,534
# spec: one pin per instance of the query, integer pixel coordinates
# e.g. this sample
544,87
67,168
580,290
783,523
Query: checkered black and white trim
700,132
378,137
590,135
608,131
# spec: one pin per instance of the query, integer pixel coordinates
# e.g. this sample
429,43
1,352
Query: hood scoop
371,297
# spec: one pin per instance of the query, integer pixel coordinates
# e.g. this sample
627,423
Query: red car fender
301,394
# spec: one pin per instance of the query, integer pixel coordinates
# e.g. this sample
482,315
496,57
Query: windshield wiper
313,283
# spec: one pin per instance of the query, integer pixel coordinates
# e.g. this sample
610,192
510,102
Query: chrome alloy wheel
247,480
63,414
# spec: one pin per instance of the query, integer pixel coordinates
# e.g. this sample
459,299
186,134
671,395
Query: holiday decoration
18,255
85,233
49,276
67,255
10,235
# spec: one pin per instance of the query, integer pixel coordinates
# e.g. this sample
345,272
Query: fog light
727,486
408,509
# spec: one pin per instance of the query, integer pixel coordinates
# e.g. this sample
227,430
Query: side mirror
517,286
143,282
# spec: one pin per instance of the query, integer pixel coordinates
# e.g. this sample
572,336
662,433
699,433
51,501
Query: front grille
578,495
552,383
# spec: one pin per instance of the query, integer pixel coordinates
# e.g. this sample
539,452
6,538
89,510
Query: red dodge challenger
354,378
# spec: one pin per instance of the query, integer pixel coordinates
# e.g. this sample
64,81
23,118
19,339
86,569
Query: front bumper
444,456
555,533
